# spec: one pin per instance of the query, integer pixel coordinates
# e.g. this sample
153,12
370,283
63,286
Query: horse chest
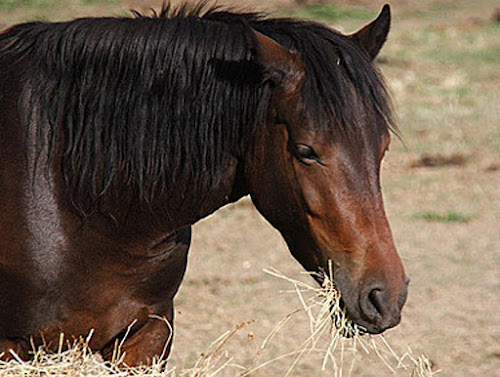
58,276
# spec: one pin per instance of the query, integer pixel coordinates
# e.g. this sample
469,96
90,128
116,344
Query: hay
75,358
328,321
328,324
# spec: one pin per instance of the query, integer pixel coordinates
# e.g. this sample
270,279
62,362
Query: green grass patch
495,140
326,12
447,217
44,4
461,57
36,4
90,2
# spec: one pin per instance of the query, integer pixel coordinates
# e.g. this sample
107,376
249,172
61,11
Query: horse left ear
372,36
282,66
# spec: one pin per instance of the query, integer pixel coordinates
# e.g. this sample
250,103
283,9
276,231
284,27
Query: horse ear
282,66
372,36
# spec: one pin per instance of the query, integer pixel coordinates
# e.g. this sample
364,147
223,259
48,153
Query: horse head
319,184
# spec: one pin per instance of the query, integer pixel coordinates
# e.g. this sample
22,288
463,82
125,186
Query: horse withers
118,134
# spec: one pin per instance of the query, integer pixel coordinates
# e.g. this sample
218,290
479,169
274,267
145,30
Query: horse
118,134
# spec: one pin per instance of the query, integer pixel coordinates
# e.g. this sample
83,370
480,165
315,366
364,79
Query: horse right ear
282,66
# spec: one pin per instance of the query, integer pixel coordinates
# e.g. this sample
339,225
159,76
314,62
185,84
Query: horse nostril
376,300
371,304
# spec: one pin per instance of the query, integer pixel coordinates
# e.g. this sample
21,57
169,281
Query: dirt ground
442,64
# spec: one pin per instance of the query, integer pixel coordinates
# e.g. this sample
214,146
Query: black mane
142,102
343,89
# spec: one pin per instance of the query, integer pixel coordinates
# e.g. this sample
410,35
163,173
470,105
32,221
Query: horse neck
215,193
134,224
191,201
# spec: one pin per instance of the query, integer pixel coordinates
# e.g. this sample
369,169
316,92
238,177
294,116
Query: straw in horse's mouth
345,325
327,299
332,297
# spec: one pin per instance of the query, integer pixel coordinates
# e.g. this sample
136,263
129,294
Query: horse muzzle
377,307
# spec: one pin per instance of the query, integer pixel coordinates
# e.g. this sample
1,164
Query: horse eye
305,153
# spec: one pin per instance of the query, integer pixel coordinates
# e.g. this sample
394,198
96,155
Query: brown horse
118,134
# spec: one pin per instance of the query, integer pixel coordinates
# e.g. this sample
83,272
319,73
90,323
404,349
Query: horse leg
152,340
20,348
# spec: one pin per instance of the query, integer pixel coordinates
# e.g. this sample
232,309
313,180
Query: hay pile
75,358
328,324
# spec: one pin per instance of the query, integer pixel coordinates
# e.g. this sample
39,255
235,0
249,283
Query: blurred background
441,185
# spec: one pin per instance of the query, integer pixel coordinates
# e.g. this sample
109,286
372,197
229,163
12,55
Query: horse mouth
352,321
343,322
348,320
345,325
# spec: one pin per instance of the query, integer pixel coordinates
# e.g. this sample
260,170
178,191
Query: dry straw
328,324
75,358
328,320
